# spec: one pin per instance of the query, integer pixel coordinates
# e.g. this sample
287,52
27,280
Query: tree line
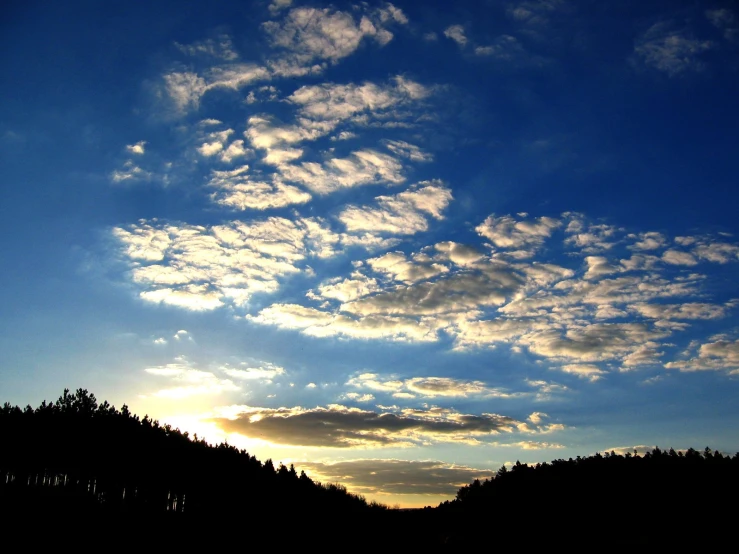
90,456
76,457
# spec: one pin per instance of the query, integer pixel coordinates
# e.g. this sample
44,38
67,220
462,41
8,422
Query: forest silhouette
79,459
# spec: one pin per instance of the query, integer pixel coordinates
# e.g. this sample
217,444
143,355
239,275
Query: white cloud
214,143
585,371
647,241
591,238
403,213
310,36
718,252
237,190
358,397
188,381
506,232
456,33
130,173
425,386
598,266
363,167
221,48
507,48
458,254
688,310
676,257
186,88
407,150
396,266
332,103
203,268
344,290
276,5
720,355
138,148
670,50
725,20
246,372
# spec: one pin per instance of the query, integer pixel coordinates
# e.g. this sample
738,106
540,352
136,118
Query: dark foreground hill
92,471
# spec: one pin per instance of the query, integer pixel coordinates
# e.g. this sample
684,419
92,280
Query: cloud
598,266
458,254
214,143
246,372
646,354
426,386
591,342
670,50
309,37
277,5
720,355
130,173
608,313
318,323
507,48
586,371
676,257
339,426
718,252
356,397
647,241
396,266
186,88
237,190
325,106
725,20
402,214
188,381
591,238
138,148
220,48
534,12
344,289
688,310
506,232
456,33
363,167
396,477
453,293
202,268
406,150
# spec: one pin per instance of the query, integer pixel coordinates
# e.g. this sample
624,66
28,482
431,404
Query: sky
396,245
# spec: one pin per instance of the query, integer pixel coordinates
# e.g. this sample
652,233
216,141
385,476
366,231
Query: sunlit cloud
396,477
719,355
357,428
137,148
426,386
187,381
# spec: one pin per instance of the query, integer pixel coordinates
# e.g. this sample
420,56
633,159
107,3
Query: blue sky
397,245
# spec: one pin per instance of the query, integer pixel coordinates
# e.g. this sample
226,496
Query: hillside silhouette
79,460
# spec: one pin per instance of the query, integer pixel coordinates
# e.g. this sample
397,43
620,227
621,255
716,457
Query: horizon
398,245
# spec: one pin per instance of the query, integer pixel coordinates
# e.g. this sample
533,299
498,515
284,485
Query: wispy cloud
670,50
457,34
